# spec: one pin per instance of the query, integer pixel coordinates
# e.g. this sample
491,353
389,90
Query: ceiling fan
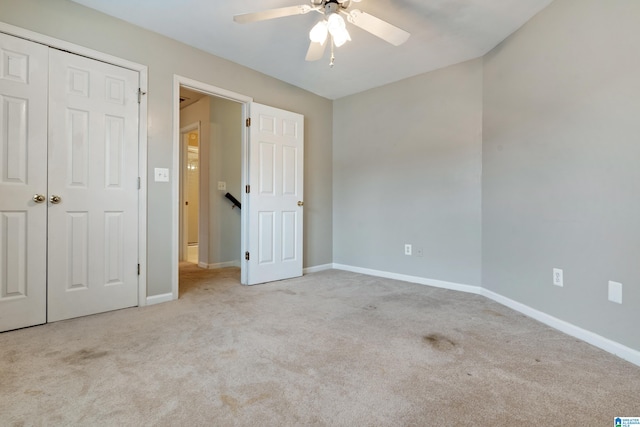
332,26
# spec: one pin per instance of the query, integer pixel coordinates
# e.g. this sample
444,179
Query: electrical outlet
557,277
615,292
407,249
222,185
419,252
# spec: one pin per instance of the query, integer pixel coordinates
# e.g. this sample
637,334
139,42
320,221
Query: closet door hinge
138,269
138,183
247,189
248,121
246,255
140,93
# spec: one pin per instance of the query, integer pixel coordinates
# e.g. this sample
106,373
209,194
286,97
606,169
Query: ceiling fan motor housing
331,6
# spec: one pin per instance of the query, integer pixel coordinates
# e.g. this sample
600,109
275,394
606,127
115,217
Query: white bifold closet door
70,135
93,169
23,174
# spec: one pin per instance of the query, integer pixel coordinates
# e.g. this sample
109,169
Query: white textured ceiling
443,32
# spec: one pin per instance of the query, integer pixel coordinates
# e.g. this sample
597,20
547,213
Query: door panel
93,163
276,153
23,165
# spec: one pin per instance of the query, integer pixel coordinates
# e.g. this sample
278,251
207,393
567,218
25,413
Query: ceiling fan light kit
334,25
338,29
319,32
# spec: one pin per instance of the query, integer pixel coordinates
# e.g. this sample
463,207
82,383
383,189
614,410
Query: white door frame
220,93
184,148
143,74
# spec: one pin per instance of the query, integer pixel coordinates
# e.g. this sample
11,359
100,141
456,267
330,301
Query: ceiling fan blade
316,51
246,18
378,27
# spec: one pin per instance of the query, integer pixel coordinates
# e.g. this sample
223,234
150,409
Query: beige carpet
330,348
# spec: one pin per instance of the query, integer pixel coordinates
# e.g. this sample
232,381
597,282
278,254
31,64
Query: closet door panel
93,169
23,177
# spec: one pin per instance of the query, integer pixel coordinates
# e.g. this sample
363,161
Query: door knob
55,199
39,198
300,203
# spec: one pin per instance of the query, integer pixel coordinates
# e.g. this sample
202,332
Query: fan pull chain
333,57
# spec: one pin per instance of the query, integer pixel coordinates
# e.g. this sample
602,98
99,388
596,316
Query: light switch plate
161,174
222,185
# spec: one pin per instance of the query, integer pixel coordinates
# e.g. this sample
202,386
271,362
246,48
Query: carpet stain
370,307
493,313
234,404
84,355
231,402
229,354
439,342
52,353
257,399
12,356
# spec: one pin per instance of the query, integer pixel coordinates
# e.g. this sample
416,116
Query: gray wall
407,165
561,171
226,161
68,21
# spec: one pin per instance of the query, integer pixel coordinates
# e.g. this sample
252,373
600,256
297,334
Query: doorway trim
143,78
210,90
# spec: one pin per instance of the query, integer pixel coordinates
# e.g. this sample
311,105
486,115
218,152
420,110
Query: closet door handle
39,198
55,199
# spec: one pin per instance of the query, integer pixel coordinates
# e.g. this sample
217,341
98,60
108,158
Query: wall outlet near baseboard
407,249
615,292
557,277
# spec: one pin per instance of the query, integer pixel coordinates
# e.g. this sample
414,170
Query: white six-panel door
93,163
23,174
276,157
68,185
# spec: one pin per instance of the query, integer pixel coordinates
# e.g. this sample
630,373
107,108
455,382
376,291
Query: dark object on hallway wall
233,200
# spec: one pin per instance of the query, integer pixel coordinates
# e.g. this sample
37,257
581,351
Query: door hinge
246,255
140,93
138,183
248,121
247,189
138,269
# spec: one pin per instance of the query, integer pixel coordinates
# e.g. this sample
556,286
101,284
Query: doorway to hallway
211,137
271,186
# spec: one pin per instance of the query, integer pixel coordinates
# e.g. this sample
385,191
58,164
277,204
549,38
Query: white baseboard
624,352
411,279
157,299
317,268
613,347
235,263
